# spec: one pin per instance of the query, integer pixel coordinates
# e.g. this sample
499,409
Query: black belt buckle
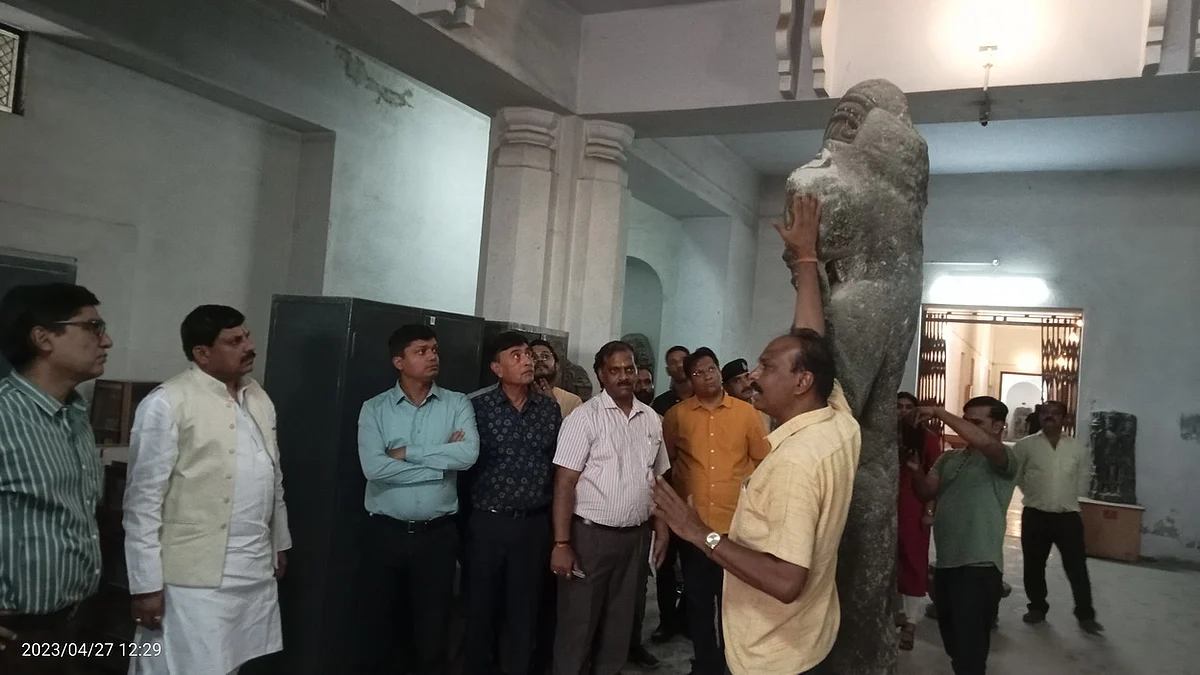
419,526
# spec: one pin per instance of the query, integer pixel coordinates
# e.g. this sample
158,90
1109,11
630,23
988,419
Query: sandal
907,636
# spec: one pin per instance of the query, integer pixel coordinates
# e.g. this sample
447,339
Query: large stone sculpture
643,350
1114,436
872,176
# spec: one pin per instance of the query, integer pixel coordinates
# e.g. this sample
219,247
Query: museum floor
1151,614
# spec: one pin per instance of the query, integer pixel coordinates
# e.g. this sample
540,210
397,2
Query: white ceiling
1101,143
606,6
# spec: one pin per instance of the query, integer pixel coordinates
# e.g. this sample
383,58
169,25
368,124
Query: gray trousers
595,613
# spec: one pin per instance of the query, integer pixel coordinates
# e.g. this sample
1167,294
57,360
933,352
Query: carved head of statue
643,351
871,163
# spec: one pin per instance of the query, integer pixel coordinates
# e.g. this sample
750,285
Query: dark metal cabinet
326,357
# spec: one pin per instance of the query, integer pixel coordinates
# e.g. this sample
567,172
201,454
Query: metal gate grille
1060,364
931,368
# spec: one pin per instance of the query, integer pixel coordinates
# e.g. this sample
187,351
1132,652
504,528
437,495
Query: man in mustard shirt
781,611
714,441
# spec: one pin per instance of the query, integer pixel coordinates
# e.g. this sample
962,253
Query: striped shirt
618,456
50,482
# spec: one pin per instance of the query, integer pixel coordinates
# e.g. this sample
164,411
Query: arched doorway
642,311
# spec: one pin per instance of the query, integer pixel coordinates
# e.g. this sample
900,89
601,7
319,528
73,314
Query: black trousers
967,599
408,588
670,604
1039,531
702,585
507,570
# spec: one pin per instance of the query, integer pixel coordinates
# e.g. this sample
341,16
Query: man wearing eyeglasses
50,471
714,442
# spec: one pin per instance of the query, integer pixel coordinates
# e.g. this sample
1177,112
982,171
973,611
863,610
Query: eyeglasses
96,327
707,372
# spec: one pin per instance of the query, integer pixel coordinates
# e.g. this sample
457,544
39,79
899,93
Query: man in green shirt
50,471
973,488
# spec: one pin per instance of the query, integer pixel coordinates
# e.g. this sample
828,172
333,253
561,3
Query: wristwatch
712,540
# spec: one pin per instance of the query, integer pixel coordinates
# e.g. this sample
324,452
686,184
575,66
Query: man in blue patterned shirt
511,486
50,470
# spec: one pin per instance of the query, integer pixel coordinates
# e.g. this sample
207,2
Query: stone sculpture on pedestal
871,176
1114,463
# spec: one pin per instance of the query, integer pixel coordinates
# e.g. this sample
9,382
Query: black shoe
1091,626
1005,589
931,611
1034,616
639,656
663,633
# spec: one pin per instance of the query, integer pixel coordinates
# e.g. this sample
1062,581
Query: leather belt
415,526
53,620
611,528
520,513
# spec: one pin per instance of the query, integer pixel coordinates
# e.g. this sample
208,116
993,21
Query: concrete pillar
553,252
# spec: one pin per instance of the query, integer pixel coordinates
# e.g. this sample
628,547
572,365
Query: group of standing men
965,494
755,515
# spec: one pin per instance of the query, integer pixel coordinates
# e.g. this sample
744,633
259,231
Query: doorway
1022,357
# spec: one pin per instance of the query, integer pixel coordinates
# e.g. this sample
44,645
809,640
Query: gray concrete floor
1151,614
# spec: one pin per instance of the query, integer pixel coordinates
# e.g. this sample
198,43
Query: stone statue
574,378
643,351
871,176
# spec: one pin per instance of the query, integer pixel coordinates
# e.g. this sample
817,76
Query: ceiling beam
1163,93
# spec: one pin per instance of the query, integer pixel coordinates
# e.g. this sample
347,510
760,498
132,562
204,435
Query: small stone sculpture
871,176
643,351
573,378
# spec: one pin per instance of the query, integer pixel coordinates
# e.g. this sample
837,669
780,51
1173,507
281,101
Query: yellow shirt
567,401
712,452
1052,478
794,507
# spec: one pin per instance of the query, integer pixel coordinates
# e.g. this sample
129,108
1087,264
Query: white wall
166,199
654,238
642,309
931,45
1015,349
410,164
1120,246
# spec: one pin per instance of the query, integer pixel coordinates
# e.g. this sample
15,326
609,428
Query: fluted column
553,251
599,229
517,215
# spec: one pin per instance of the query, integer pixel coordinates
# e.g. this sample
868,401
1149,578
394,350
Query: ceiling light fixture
990,290
987,54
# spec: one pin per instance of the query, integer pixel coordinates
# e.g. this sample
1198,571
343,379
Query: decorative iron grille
12,44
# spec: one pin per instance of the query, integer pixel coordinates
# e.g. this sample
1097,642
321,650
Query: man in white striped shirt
609,453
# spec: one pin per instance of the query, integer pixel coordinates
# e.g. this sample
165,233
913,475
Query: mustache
249,357
755,388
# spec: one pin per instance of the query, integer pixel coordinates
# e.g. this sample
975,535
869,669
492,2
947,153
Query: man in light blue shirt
413,439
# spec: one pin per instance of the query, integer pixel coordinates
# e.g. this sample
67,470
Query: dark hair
505,341
815,356
406,335
907,396
614,347
24,308
996,410
542,343
202,325
678,348
1062,407
694,358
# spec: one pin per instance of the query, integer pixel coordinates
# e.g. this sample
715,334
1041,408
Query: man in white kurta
204,516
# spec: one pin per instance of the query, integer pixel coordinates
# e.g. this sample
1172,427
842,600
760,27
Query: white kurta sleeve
281,536
153,451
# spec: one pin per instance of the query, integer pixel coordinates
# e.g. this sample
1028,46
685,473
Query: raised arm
800,237
993,449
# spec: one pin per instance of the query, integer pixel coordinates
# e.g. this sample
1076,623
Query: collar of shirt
607,401
836,403
218,387
497,396
48,404
695,403
399,396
